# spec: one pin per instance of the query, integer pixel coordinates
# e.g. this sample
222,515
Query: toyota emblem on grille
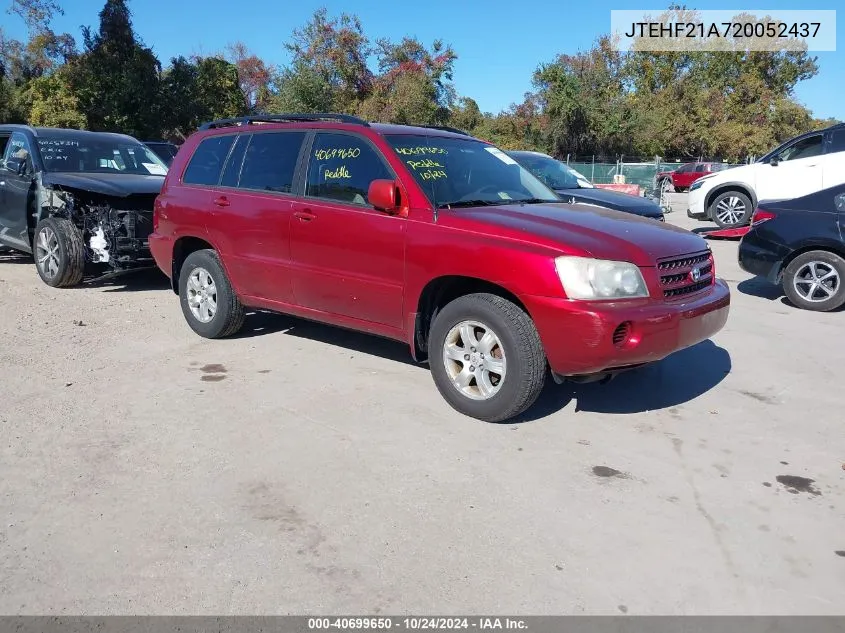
695,274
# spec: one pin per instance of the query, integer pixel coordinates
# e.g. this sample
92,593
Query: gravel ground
304,469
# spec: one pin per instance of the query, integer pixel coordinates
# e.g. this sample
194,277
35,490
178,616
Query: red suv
681,178
430,237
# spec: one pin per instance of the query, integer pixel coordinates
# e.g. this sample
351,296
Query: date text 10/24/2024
418,623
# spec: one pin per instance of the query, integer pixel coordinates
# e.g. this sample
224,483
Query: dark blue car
573,187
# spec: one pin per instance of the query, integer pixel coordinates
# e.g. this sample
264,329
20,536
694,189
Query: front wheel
209,302
814,281
731,209
486,357
59,252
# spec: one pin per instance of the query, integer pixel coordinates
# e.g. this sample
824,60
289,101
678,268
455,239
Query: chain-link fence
637,170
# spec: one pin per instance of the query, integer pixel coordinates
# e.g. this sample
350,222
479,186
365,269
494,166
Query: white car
806,164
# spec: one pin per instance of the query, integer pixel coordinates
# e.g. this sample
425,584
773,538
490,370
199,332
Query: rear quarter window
207,162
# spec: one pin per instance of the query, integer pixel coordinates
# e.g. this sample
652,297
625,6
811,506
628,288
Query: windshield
98,155
467,172
165,151
554,173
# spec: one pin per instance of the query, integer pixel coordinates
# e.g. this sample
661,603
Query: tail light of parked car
761,215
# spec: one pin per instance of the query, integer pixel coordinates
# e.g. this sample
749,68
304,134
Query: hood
591,231
613,200
118,185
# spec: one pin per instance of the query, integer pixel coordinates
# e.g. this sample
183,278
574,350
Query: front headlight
696,185
587,278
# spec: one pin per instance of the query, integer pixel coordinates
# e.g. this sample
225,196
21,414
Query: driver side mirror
16,165
384,195
774,161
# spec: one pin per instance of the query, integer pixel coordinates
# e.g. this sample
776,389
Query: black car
164,150
800,244
78,201
575,188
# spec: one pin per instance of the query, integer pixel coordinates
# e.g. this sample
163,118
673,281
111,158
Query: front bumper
695,205
578,336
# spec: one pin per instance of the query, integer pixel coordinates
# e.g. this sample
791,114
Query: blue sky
499,43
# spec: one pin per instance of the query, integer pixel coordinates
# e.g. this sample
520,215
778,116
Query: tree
414,84
199,90
50,102
116,79
36,13
253,74
332,52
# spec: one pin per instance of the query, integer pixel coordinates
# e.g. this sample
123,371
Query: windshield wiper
473,203
534,201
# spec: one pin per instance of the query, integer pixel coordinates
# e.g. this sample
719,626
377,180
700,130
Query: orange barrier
633,190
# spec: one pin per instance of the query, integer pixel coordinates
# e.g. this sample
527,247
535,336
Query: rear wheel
208,300
486,357
731,209
816,281
59,252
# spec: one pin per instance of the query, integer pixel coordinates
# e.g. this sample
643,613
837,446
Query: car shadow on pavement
13,257
136,281
681,377
759,287
261,322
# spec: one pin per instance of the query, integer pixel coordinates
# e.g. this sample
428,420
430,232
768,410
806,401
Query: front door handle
305,215
222,201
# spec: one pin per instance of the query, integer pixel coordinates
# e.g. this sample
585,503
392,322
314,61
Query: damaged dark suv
80,202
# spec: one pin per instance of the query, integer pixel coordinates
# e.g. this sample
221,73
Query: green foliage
116,78
51,103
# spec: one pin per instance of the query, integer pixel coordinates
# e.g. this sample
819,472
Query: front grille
685,275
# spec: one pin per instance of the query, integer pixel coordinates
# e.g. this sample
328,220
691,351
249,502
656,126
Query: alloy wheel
202,295
730,210
816,281
47,252
475,360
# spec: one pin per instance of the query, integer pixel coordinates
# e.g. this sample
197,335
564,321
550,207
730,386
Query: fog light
623,335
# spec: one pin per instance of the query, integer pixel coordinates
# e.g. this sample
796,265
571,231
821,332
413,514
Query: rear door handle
222,201
305,215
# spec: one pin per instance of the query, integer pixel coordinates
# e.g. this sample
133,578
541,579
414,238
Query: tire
798,281
523,361
736,209
59,252
226,316
665,185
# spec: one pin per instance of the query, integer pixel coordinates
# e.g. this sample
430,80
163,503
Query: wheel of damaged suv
486,357
815,281
59,252
731,209
208,301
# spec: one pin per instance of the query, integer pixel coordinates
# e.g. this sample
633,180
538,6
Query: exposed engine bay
115,230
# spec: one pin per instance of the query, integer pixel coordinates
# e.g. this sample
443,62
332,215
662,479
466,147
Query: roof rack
446,128
280,118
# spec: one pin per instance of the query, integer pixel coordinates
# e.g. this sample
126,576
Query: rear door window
837,141
207,162
270,161
342,167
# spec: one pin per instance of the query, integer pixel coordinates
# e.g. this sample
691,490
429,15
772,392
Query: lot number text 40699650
417,623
